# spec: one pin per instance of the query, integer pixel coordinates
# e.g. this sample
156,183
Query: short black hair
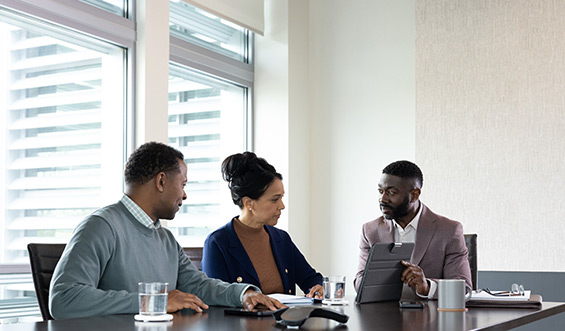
150,159
405,169
247,176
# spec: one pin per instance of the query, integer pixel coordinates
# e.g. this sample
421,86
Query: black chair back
195,255
43,259
471,242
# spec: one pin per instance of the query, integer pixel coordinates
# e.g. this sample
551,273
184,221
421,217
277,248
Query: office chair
471,242
43,259
195,255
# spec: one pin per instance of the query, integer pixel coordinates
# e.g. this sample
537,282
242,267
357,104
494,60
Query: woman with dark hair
249,249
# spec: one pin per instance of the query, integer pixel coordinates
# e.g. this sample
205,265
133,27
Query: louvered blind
207,122
62,100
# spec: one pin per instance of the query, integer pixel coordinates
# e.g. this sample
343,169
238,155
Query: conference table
371,316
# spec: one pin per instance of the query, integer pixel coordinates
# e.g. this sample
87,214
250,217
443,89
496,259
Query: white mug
452,294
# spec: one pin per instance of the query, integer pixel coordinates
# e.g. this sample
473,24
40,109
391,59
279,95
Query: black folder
381,278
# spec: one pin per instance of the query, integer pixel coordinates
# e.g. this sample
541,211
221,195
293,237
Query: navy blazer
225,258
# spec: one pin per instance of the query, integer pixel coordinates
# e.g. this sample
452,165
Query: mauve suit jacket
439,249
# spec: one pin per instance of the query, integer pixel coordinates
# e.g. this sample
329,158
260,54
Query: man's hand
414,277
253,298
178,300
317,291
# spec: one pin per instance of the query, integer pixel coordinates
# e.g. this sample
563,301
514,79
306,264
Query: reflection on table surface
381,316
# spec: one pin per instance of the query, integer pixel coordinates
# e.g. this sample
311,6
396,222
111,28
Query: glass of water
334,288
153,298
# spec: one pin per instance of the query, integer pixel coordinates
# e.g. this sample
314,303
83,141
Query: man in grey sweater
120,245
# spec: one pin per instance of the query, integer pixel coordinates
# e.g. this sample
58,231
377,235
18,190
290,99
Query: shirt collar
139,214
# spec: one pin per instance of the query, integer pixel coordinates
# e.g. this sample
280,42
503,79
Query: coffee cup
452,294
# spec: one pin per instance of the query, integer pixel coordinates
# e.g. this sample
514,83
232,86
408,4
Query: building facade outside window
210,86
63,106
65,98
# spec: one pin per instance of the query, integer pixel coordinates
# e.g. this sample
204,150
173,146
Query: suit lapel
385,231
281,259
426,229
237,251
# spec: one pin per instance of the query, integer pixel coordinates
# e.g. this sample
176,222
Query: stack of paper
485,300
484,296
292,299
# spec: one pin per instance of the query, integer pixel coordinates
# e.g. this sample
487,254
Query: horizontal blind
63,100
206,123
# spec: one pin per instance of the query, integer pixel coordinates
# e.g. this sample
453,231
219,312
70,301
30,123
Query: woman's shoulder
222,232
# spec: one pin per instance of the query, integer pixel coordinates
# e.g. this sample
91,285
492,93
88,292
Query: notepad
484,296
288,299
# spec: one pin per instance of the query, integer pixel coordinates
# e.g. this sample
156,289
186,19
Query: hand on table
253,298
317,292
178,300
414,277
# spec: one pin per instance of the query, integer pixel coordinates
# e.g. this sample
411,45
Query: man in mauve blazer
439,245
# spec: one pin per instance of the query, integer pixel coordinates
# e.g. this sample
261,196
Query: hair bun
236,165
247,176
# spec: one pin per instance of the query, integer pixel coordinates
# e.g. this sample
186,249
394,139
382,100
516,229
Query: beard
401,210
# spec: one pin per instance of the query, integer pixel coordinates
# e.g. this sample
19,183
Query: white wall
281,118
350,109
362,97
152,70
271,102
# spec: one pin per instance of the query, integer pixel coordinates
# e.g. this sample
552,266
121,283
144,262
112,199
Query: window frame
79,16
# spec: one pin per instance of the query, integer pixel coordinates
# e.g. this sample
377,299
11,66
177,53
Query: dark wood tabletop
373,316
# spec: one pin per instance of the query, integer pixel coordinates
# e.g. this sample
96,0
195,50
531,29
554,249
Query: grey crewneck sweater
110,252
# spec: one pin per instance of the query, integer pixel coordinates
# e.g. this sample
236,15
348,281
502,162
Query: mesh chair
195,255
471,242
43,259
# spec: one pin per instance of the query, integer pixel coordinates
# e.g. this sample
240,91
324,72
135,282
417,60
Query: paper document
291,299
484,296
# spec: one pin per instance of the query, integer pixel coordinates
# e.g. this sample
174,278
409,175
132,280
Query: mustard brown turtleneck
258,247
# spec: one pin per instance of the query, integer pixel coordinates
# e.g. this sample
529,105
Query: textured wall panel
490,133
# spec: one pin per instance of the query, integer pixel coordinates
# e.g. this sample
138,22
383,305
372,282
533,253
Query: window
65,83
209,31
210,85
63,106
206,123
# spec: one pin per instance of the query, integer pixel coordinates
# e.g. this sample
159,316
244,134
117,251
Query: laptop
381,278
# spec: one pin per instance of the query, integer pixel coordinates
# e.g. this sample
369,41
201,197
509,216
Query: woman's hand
253,298
316,292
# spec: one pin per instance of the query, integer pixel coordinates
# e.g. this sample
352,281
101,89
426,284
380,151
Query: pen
502,293
507,293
